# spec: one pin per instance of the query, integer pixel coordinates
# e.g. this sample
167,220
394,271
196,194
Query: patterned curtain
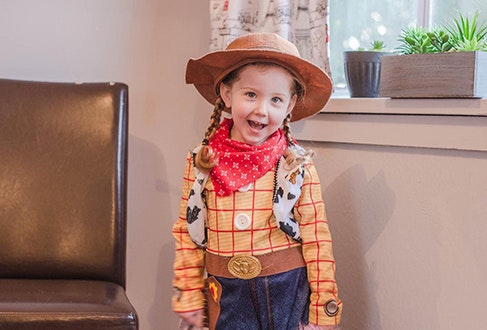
303,22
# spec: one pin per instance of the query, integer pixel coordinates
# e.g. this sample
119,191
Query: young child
252,216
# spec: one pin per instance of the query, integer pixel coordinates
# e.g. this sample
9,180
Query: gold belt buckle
244,267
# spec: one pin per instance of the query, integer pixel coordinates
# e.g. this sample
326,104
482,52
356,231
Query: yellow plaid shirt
263,236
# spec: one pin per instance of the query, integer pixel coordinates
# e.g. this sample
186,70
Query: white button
245,188
242,221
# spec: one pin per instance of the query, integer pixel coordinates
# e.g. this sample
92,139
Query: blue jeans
276,302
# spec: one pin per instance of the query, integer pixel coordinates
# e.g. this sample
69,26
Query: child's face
259,99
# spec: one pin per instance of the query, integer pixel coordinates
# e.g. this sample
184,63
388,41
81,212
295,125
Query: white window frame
424,13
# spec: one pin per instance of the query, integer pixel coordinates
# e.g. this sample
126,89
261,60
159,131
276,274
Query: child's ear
225,93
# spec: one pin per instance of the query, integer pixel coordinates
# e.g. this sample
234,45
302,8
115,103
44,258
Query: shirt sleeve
188,280
325,306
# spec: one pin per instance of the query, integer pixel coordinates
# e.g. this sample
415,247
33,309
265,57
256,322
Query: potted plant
362,70
442,62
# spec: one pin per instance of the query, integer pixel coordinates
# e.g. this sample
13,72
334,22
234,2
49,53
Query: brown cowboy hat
207,72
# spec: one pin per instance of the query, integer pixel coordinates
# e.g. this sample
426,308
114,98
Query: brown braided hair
205,158
294,156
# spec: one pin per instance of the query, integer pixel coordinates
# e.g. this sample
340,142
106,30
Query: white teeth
255,124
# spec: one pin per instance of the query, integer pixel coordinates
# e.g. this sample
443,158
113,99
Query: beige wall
409,231
409,224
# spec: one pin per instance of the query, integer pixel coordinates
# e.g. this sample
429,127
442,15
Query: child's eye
250,94
276,99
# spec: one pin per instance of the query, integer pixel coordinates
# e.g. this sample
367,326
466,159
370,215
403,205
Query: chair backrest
63,173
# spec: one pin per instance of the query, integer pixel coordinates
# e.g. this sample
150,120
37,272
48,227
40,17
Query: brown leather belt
247,266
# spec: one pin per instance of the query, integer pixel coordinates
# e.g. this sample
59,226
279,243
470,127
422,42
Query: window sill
459,124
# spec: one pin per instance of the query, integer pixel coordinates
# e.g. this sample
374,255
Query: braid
205,157
287,130
294,156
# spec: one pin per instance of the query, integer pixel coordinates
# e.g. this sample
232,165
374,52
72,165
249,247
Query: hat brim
207,71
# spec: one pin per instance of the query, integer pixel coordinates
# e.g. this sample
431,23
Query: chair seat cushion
64,304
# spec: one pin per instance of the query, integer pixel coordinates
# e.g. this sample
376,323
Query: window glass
442,11
355,24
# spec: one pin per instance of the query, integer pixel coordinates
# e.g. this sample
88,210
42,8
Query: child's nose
261,109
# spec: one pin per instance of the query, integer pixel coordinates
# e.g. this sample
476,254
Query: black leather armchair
63,174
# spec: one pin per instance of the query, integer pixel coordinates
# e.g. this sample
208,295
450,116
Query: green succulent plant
377,45
440,40
464,34
414,40
468,35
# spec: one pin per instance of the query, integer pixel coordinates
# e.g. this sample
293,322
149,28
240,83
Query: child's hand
191,320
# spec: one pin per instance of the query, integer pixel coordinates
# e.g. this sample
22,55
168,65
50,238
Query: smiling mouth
256,125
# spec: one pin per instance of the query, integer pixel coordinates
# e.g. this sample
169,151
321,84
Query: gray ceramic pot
362,72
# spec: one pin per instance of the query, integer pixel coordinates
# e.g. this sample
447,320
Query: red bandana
239,163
